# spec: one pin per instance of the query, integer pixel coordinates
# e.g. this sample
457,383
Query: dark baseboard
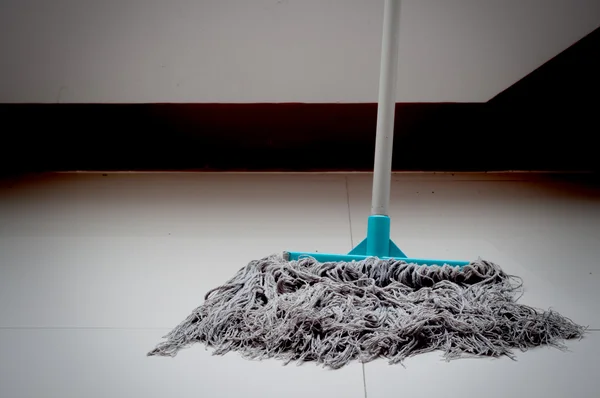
290,137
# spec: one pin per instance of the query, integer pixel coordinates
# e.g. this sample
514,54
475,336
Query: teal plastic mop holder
376,244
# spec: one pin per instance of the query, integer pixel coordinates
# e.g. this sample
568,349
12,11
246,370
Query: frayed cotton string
333,313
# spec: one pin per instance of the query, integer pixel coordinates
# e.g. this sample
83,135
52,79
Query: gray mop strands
333,313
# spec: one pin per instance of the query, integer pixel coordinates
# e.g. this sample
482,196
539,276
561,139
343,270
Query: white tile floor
95,269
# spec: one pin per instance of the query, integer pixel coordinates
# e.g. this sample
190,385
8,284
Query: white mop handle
382,172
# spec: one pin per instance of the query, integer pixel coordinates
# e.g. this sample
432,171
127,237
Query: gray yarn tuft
333,313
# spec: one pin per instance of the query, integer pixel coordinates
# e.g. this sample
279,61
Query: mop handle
382,171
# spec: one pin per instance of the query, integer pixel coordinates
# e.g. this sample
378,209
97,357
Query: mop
374,302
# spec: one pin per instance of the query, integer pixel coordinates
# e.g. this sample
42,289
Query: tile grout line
364,378
78,328
349,214
352,247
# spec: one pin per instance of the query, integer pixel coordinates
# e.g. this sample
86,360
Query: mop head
333,313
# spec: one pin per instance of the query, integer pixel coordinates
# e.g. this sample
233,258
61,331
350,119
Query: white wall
275,50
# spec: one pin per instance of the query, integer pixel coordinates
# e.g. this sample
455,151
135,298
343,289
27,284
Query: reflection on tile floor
113,363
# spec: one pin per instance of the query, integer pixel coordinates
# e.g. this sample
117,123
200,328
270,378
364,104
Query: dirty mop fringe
333,313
